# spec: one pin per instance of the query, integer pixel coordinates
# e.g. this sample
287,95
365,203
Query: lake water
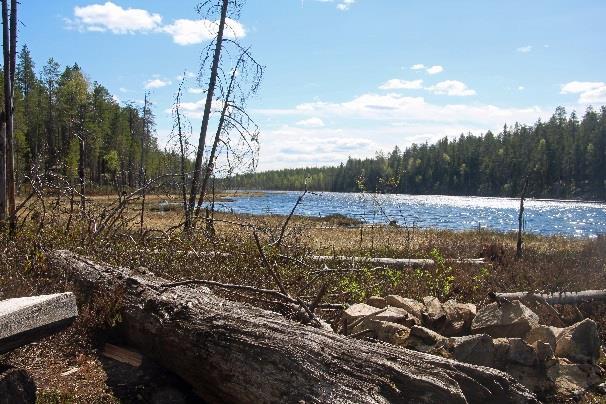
547,217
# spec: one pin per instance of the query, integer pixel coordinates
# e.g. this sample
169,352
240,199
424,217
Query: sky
343,77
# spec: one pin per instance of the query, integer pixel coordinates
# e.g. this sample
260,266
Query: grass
548,264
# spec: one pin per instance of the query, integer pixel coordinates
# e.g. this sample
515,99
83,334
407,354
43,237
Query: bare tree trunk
233,352
206,117
182,150
9,38
82,175
2,169
142,166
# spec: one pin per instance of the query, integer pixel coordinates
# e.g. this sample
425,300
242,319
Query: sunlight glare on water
546,217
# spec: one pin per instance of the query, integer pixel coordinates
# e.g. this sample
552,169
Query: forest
564,157
65,123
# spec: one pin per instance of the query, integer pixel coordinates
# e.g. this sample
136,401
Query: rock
474,349
425,340
548,315
16,386
504,320
521,353
362,312
377,301
544,333
459,317
544,352
579,343
410,305
572,379
385,331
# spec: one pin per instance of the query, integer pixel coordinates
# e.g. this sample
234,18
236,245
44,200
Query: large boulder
474,349
572,379
361,311
459,317
392,333
544,333
521,353
579,343
412,306
504,320
425,340
377,301
548,315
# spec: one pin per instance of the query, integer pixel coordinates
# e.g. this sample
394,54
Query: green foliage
563,157
439,278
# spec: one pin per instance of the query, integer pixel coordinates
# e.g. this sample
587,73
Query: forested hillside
563,157
63,120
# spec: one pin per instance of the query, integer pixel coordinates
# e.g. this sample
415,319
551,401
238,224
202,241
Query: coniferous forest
65,123
564,157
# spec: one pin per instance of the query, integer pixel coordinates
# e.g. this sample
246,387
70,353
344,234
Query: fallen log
234,352
26,319
560,298
396,262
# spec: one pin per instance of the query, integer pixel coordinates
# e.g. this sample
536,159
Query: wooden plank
27,319
120,354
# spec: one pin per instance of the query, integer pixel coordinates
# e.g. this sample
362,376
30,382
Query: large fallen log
26,319
234,352
560,298
396,262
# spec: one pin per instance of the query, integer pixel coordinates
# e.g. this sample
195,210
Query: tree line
563,157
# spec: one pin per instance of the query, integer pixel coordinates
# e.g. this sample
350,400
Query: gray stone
385,331
544,333
474,349
504,320
572,379
459,317
377,301
548,315
25,319
521,353
425,340
579,343
410,305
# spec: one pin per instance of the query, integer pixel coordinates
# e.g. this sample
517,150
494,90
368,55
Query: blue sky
345,77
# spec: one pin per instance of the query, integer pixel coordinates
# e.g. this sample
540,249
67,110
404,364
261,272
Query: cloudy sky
344,77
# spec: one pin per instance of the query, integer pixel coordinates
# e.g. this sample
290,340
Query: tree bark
234,352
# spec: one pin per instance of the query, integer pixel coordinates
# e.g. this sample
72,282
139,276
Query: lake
545,217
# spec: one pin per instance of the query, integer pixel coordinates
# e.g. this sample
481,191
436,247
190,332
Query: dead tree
9,41
521,220
206,116
234,352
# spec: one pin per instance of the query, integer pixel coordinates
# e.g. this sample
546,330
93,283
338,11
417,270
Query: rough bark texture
16,387
396,262
233,352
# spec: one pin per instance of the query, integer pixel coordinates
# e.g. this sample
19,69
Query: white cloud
589,91
393,119
345,5
434,69
190,32
123,90
157,83
196,90
525,49
311,123
113,18
396,84
418,66
452,87
521,88
117,20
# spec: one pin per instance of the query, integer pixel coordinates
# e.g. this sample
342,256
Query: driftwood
26,319
560,298
396,262
234,352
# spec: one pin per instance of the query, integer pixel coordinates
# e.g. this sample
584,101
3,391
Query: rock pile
530,344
